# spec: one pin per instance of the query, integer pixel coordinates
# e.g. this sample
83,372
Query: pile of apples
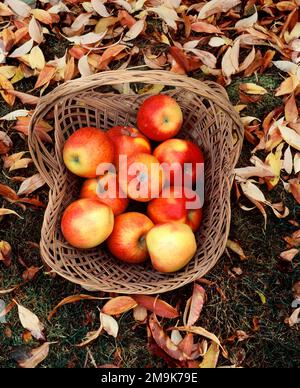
166,232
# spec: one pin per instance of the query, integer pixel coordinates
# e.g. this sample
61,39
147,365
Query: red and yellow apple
143,178
86,223
171,246
128,141
182,157
85,149
128,239
173,207
159,117
106,190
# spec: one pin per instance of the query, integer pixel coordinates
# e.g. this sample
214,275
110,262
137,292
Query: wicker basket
209,120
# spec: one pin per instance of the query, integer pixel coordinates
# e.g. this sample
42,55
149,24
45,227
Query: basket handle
46,162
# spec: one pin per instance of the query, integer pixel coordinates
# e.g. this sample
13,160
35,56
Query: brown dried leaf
30,273
5,85
157,306
24,97
5,253
42,16
199,331
8,192
45,76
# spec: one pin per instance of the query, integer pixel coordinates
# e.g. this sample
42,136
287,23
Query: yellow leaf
8,71
251,88
36,58
19,75
262,297
235,247
5,84
151,89
4,212
42,16
275,162
104,23
211,357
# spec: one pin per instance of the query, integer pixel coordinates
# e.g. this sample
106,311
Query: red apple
106,190
174,208
143,178
128,141
180,153
86,223
127,241
159,117
85,149
171,246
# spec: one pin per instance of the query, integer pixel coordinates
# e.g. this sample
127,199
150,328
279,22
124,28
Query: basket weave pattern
209,120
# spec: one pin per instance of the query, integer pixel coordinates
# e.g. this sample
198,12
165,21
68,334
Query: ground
272,344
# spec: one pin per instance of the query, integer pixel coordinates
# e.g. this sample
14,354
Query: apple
175,154
128,141
143,178
86,223
85,149
128,239
174,208
159,117
171,246
106,190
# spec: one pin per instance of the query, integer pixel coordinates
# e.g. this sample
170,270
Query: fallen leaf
296,290
99,7
297,163
21,163
5,253
288,161
5,84
176,337
42,16
31,184
5,10
11,116
25,99
84,67
90,337
35,31
196,306
31,322
251,88
22,50
7,309
19,7
289,254
30,273
294,318
8,192
140,313
156,305
72,299
236,248
210,359
262,297
36,58
45,76
135,30
290,136
168,15
119,305
5,143
205,27
247,22
200,331
35,356
291,110
295,188
109,324
164,341
215,6
9,290
5,212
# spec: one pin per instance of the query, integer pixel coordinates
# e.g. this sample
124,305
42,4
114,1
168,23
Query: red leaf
158,306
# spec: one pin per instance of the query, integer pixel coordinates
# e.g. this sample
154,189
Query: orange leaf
8,192
5,11
295,188
8,39
109,54
119,305
45,76
158,306
205,27
24,97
